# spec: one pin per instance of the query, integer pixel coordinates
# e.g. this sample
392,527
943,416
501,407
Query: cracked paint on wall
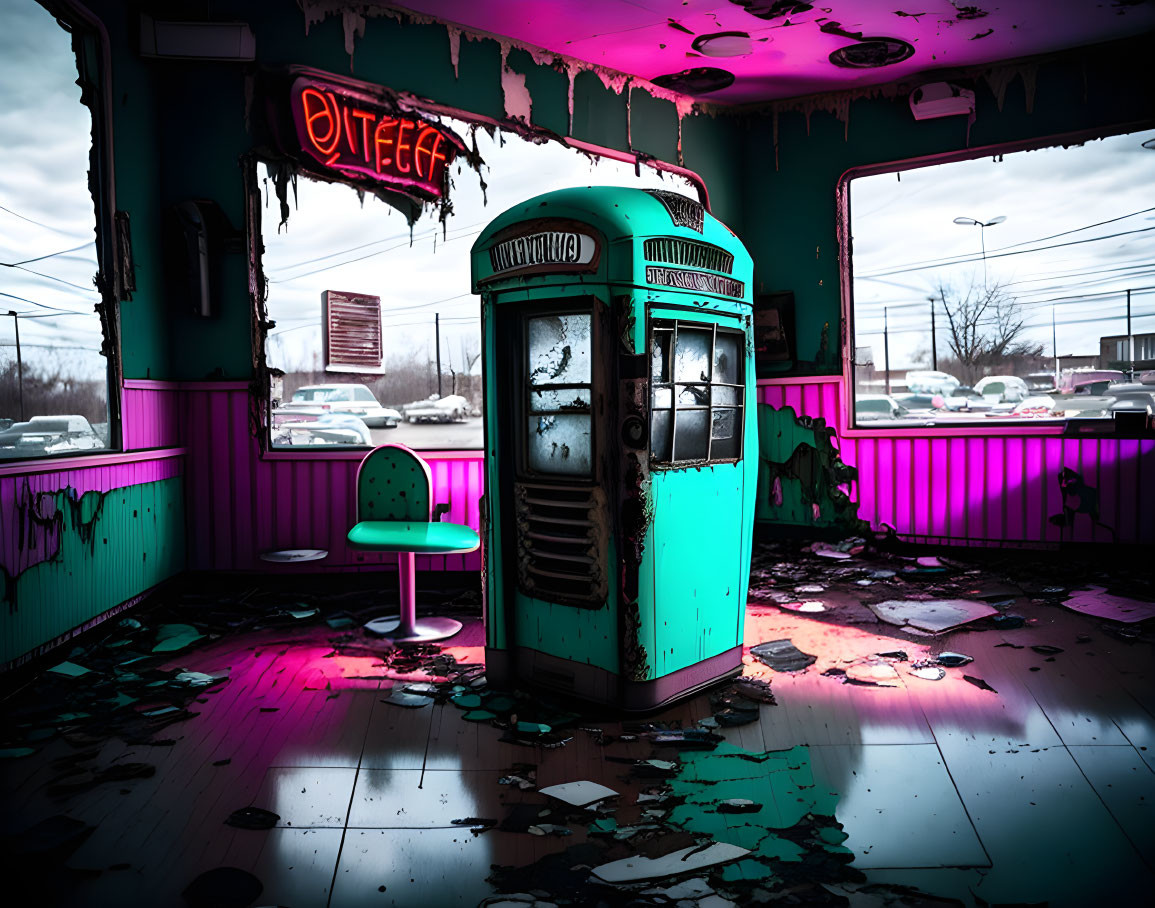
801,477
518,100
71,555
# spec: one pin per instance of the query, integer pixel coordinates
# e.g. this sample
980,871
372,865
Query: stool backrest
393,483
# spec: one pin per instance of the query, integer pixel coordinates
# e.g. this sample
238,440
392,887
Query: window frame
114,276
673,325
524,471
1013,427
265,375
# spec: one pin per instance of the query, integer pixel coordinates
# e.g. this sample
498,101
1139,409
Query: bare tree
985,327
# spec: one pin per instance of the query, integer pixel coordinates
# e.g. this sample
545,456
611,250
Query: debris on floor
933,616
1097,602
782,656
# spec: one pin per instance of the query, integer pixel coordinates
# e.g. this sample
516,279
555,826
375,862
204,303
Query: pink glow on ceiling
791,53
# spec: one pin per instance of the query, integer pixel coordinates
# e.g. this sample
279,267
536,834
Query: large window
428,393
53,377
1019,286
696,388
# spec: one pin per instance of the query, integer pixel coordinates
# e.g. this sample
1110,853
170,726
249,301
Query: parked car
1004,389
451,408
966,399
1039,406
1073,379
1132,396
356,400
932,383
869,407
918,404
313,426
43,435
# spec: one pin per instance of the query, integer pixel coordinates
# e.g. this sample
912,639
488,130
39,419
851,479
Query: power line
51,278
1028,304
1043,239
41,305
54,347
48,256
359,259
1076,321
31,221
992,255
399,236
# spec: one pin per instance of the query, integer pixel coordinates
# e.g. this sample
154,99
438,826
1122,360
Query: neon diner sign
345,132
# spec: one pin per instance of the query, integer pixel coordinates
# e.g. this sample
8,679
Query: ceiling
788,53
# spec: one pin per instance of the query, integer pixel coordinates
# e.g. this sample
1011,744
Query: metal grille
352,330
674,251
561,543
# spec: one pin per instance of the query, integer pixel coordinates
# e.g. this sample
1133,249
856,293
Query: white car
356,400
966,400
43,435
308,426
451,408
1003,389
928,382
870,407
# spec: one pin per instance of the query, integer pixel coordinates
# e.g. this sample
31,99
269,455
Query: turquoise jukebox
621,444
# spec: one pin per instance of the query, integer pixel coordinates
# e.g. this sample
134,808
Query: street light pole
933,337
1130,340
437,333
886,347
982,225
19,361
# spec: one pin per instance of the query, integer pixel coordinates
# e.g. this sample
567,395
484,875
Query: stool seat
421,537
395,514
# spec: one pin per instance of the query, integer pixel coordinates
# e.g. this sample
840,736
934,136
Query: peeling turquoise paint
802,481
789,800
96,551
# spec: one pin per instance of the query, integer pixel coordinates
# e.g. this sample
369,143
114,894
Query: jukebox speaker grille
562,536
688,254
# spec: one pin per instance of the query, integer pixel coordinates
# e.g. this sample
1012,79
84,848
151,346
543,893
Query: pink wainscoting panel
150,415
23,542
981,487
242,503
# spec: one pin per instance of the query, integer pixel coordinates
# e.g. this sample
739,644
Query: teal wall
179,129
790,208
99,549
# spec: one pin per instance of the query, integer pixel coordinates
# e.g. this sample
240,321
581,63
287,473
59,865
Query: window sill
1072,428
358,454
86,461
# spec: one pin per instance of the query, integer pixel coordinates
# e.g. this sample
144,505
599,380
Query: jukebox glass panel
559,349
696,396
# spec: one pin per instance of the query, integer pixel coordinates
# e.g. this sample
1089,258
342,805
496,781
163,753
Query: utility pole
20,360
1130,341
437,335
1054,346
886,346
933,337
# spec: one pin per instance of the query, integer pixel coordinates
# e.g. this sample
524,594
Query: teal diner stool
394,514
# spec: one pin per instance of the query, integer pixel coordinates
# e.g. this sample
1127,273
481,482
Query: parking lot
433,436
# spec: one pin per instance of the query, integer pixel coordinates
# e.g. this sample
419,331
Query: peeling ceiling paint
791,42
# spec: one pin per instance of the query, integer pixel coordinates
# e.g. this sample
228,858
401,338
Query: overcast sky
896,224
901,225
371,251
45,137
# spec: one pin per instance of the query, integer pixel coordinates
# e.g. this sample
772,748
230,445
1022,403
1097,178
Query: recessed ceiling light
723,44
696,81
871,53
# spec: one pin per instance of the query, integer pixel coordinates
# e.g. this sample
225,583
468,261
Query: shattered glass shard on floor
934,615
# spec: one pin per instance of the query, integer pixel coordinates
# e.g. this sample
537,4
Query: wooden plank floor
1042,791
